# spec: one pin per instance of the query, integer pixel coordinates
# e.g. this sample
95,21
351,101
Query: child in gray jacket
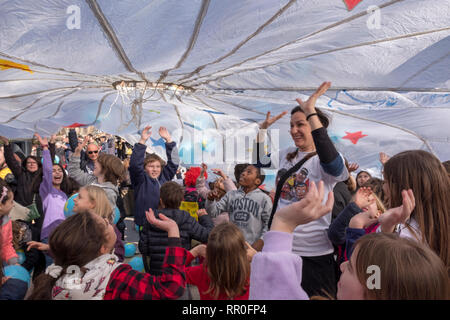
249,208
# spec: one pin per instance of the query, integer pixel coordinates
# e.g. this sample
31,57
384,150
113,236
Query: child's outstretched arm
173,160
136,168
74,169
47,168
216,208
12,163
276,272
200,230
362,199
200,183
128,284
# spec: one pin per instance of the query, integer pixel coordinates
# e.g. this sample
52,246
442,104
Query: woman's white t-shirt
311,239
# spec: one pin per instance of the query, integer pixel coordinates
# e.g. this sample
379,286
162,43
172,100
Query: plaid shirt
128,284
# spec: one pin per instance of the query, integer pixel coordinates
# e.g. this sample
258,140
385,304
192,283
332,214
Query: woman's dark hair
324,120
24,162
75,242
322,116
72,186
65,187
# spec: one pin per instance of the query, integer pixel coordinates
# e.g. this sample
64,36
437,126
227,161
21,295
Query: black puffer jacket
154,241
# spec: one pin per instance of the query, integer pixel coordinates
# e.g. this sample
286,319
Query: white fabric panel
250,57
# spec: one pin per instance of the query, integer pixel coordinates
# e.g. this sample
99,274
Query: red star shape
351,4
354,137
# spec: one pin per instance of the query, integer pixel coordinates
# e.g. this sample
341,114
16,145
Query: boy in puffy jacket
154,241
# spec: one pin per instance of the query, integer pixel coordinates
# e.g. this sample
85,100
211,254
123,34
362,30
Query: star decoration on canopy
354,137
351,4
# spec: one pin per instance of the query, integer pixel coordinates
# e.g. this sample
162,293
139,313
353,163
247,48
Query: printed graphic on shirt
242,209
296,186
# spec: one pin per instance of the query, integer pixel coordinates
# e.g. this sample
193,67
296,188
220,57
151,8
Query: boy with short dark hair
249,207
154,241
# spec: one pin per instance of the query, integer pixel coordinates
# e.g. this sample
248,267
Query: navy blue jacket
146,189
336,232
153,241
13,289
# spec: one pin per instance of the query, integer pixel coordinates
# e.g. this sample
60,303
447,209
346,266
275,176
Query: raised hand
164,223
353,167
42,141
165,134
4,140
363,197
220,173
269,121
309,106
37,245
304,211
383,158
199,251
250,251
146,133
401,214
202,212
81,146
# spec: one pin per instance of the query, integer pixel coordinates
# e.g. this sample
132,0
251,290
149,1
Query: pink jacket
203,191
8,254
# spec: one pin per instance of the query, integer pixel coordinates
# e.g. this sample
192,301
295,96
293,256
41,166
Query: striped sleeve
128,284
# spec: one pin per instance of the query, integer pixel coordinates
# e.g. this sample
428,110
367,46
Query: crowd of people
315,236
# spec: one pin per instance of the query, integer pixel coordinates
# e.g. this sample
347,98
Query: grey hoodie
84,179
250,212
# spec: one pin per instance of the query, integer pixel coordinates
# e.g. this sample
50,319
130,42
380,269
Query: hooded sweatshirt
248,211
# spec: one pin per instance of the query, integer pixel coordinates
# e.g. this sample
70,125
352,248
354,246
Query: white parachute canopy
210,70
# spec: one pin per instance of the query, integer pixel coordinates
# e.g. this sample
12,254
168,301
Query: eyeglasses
91,152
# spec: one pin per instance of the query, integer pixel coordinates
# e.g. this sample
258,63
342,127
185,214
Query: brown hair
226,260
409,270
152,158
112,168
324,120
376,185
425,175
75,242
446,165
102,204
171,194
